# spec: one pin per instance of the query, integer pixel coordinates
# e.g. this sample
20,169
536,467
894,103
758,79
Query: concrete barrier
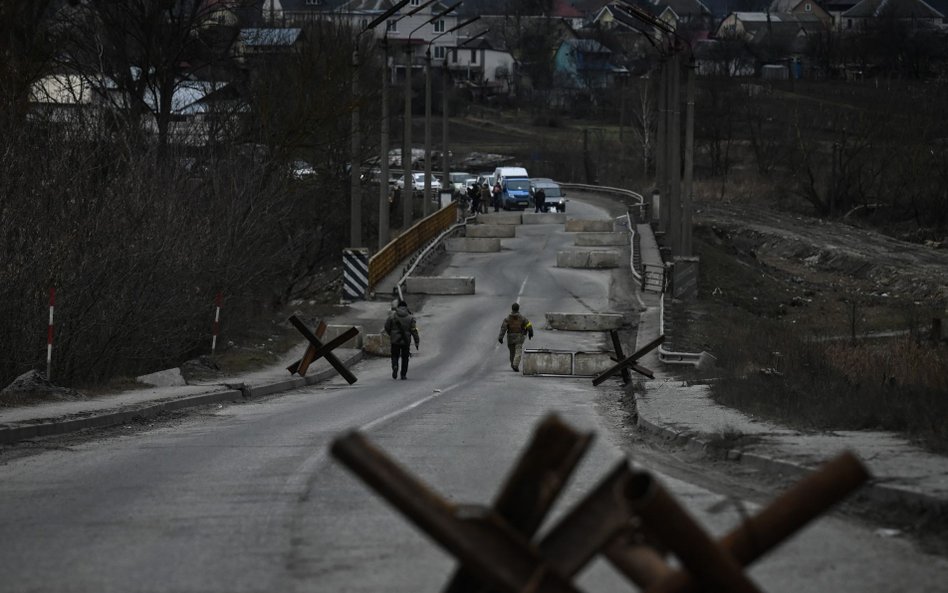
601,239
593,259
377,345
440,285
590,364
467,245
585,321
544,217
547,362
599,225
501,218
491,231
333,331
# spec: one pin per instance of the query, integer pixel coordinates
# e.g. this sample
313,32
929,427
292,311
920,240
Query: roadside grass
799,367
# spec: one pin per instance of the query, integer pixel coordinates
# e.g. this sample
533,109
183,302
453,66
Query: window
415,2
807,7
473,56
363,23
391,25
314,2
439,52
454,56
439,26
849,23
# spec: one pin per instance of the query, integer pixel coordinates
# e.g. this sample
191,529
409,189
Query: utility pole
383,153
674,149
409,188
426,197
445,158
687,202
355,168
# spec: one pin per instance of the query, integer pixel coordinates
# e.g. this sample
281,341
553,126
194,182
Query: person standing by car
401,329
515,326
474,193
539,200
495,196
485,198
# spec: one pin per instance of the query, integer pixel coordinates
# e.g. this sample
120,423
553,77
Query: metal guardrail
410,241
603,188
672,357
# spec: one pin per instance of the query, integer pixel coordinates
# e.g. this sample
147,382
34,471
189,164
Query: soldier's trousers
515,345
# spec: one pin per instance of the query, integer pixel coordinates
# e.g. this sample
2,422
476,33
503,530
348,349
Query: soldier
515,326
400,327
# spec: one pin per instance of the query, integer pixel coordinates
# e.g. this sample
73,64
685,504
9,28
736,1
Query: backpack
514,324
403,331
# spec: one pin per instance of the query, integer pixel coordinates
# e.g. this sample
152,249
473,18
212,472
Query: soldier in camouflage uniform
515,326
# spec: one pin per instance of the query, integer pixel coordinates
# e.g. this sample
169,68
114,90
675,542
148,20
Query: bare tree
27,45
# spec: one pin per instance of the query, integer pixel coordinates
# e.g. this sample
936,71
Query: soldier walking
401,329
515,326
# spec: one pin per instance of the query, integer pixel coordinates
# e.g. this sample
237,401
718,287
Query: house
484,62
258,41
836,8
585,64
772,38
918,13
801,8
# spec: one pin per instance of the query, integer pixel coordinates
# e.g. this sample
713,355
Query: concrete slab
585,321
600,225
544,217
377,345
165,378
498,231
334,331
500,218
440,284
592,259
602,239
547,362
590,364
467,245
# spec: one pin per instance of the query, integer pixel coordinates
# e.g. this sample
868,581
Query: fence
410,241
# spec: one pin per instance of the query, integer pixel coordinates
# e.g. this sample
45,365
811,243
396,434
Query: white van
501,173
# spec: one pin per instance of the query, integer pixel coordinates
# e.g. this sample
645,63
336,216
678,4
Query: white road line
370,425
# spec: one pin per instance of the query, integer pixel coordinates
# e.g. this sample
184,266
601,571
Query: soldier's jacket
515,326
401,327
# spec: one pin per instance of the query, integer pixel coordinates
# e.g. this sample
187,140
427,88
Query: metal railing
409,242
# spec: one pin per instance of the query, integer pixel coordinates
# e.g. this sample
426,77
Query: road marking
370,425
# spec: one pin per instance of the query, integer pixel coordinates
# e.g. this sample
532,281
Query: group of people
483,196
402,329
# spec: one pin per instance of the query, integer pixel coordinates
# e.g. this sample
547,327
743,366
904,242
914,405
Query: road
246,498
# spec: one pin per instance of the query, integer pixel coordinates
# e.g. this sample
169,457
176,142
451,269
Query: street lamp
444,156
408,52
355,157
384,222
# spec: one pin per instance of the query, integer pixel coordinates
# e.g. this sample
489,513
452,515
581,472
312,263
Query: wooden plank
330,357
310,350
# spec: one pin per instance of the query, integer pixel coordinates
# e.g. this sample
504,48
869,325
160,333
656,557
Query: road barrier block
599,225
466,245
500,218
602,239
377,345
589,259
590,364
334,331
544,217
585,321
440,285
547,362
491,231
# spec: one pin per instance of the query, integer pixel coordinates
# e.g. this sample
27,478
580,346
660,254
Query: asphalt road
246,498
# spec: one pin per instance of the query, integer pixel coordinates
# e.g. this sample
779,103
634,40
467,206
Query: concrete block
466,245
377,345
500,218
547,362
593,259
440,284
544,217
602,239
334,331
590,364
585,321
598,225
165,378
493,231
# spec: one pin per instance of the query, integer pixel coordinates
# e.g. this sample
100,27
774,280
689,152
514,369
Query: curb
872,492
30,430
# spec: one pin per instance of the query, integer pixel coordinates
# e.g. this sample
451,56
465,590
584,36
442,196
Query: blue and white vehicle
515,187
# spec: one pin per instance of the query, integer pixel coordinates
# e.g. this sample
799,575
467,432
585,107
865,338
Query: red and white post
217,322
49,335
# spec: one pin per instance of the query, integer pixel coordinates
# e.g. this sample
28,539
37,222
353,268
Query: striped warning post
355,273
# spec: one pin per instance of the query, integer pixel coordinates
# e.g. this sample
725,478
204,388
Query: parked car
301,170
555,197
460,181
418,182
